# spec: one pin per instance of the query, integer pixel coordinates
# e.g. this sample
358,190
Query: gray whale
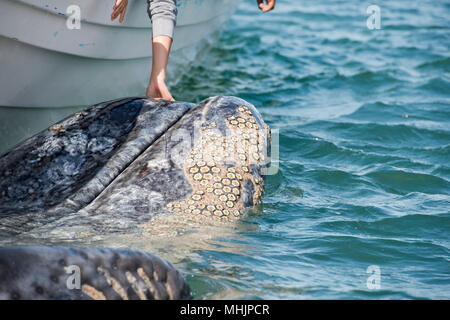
119,164
39,272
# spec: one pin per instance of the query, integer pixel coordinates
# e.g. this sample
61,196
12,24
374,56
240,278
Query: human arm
163,14
157,86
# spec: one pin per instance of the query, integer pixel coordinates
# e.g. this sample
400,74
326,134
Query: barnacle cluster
218,166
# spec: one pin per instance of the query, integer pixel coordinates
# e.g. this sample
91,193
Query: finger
122,16
116,4
118,7
166,95
118,11
260,4
115,14
121,6
169,96
269,6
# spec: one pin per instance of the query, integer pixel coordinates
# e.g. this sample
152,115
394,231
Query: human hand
266,7
119,9
157,89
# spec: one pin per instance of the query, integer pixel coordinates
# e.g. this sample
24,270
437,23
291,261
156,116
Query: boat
49,69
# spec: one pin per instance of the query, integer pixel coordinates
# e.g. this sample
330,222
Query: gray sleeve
163,14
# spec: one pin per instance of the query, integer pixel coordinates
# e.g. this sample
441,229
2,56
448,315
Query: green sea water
360,205
364,134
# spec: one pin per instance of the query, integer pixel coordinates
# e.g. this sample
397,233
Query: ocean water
359,208
364,123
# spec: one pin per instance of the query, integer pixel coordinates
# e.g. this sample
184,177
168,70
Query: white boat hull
46,64
49,71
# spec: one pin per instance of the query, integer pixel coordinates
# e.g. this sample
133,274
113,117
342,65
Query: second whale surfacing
38,272
118,165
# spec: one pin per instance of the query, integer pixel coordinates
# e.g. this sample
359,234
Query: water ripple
364,175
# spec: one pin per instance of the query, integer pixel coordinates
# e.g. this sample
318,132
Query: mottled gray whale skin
62,169
38,272
117,165
114,167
